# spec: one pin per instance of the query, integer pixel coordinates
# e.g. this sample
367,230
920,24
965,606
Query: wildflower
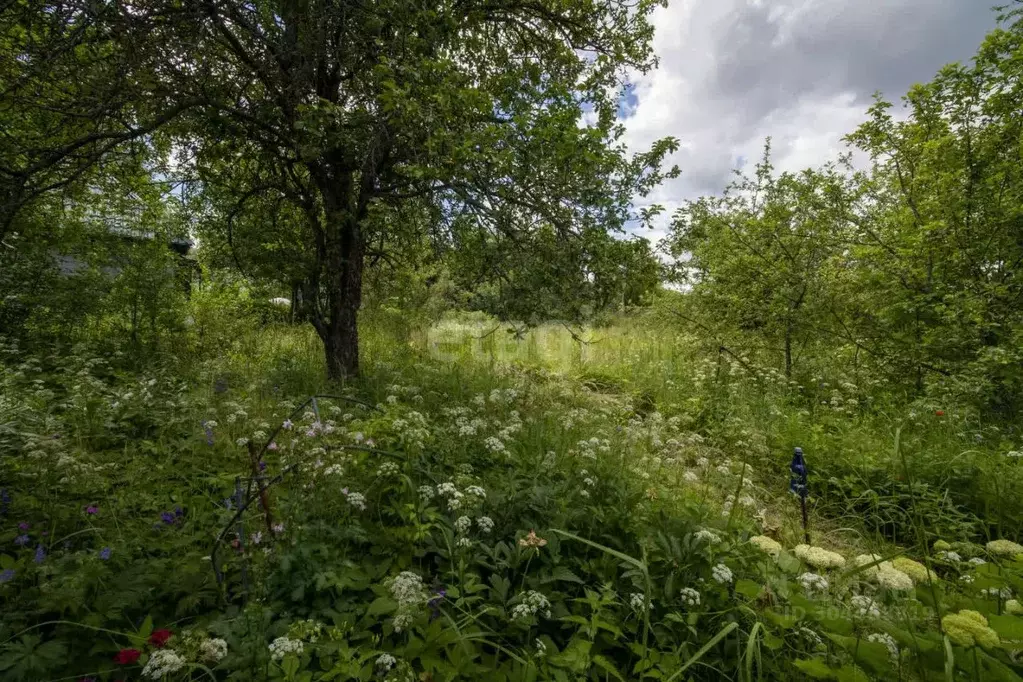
1004,547
385,662
445,489
949,556
257,537
283,646
811,636
272,447
690,597
888,641
476,491
813,582
21,540
40,556
723,469
819,557
767,545
287,425
278,528
127,656
357,500
242,442
637,601
6,575
968,628
1013,606
532,603
426,492
455,501
213,650
388,469
532,541
463,524
167,517
104,553
463,543
690,477
941,545
485,524
707,536
914,569
721,574
541,648
159,638
24,525
863,605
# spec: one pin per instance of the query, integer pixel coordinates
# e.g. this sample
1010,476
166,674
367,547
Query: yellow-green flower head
914,569
766,545
884,573
941,546
1004,547
1013,606
819,557
968,628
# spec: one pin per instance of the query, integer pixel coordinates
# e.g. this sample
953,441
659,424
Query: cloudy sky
733,72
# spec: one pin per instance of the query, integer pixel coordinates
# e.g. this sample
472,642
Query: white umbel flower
690,597
283,646
163,662
722,574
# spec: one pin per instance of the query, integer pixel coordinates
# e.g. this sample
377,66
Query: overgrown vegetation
547,465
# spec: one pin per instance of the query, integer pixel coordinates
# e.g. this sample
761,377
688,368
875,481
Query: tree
324,118
755,259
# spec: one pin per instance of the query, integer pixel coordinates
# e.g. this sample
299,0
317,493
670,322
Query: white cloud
733,72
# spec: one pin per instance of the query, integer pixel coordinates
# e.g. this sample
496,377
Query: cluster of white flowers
388,469
637,600
242,442
690,477
977,561
283,646
708,536
385,662
357,500
767,545
541,648
163,662
690,597
495,445
408,590
485,523
426,492
863,605
476,491
888,641
812,582
212,650
722,574
413,428
949,556
819,557
996,593
532,603
463,524
463,543
334,470
884,573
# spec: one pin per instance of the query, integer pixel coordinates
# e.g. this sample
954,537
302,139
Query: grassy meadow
487,504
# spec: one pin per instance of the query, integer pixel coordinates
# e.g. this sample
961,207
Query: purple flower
40,554
344,491
262,466
24,525
272,446
310,433
21,540
167,517
104,553
209,432
92,509
287,424
7,575
178,511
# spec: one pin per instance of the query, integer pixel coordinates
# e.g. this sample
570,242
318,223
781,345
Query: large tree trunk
344,266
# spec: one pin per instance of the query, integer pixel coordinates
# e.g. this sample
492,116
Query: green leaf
564,574
608,666
748,588
848,673
1008,627
381,605
815,668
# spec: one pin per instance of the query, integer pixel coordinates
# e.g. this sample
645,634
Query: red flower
127,656
940,413
159,638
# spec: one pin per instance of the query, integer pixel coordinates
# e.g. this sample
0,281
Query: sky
733,72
